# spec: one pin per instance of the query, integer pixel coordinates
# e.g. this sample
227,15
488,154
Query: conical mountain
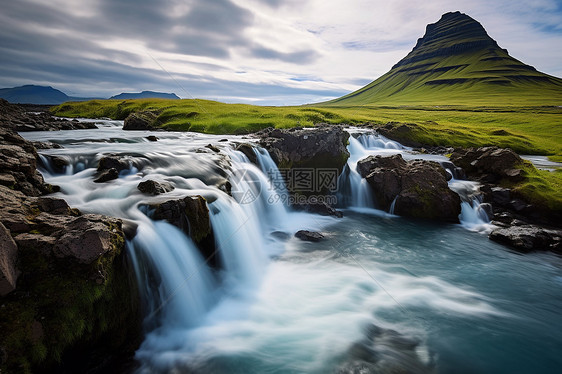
458,63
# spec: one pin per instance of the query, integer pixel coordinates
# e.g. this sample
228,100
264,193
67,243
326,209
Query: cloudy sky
274,52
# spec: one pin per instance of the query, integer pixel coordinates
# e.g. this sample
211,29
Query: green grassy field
527,130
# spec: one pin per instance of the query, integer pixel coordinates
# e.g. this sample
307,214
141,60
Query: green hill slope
457,63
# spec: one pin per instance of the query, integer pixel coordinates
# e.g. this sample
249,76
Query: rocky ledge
417,188
17,118
323,147
65,281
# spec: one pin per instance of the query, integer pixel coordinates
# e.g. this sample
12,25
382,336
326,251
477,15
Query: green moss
67,303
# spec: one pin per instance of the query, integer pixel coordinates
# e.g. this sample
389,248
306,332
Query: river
379,294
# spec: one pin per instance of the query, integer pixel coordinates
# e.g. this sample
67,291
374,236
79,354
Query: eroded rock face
489,163
18,165
8,260
140,121
527,238
419,188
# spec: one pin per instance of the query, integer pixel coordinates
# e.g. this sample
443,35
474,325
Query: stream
380,294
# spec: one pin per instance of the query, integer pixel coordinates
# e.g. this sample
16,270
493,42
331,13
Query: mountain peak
456,62
455,33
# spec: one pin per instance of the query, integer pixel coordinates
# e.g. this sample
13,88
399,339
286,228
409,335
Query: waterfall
354,191
175,282
473,212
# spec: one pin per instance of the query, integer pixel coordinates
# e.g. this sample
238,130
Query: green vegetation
527,130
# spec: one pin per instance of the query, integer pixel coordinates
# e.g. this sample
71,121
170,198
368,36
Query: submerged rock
527,238
152,187
309,236
419,188
322,209
107,175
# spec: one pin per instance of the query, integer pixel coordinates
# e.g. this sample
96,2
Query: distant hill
457,63
31,94
146,95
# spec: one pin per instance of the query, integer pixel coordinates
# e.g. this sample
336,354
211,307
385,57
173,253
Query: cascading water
354,191
280,305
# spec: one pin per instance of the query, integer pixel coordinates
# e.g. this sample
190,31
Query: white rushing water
275,304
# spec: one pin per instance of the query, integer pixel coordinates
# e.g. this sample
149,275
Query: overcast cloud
258,51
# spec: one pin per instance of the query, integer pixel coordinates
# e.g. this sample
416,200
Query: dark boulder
140,121
114,162
151,187
419,188
190,214
319,147
152,138
527,238
248,151
309,236
489,164
107,175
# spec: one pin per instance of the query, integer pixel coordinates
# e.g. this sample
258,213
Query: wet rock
489,163
57,164
55,206
419,187
8,260
318,148
400,132
190,214
152,187
527,238
140,121
384,351
213,148
107,175
248,151
309,236
152,138
113,162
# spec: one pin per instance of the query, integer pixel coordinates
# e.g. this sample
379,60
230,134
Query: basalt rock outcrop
489,164
528,238
65,281
17,118
152,187
418,188
311,151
